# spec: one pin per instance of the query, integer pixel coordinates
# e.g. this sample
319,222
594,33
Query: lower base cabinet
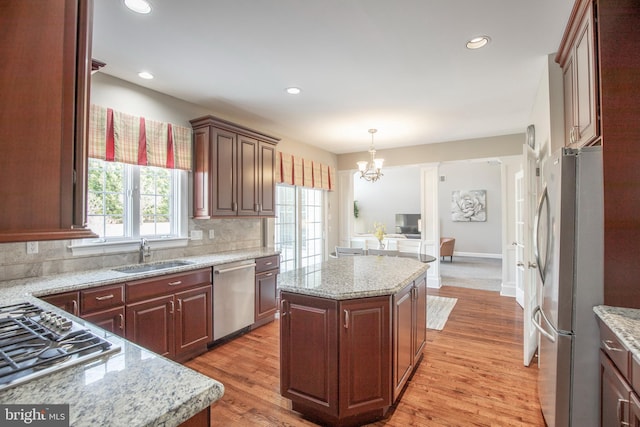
111,320
171,315
335,357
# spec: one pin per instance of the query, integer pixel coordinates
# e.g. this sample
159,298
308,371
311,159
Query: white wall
472,238
397,192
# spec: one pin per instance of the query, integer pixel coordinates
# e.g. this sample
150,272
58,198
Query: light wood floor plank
471,375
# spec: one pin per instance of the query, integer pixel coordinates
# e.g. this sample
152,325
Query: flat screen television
407,223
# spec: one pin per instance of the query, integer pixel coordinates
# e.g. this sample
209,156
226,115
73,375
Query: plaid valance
303,172
120,137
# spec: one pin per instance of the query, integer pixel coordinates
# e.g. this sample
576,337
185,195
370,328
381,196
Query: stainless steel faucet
145,250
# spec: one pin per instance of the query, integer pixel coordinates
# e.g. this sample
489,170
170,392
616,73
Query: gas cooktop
35,342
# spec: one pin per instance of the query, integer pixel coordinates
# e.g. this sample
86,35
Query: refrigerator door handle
541,263
538,326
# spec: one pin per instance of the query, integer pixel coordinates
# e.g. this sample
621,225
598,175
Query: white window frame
131,242
299,260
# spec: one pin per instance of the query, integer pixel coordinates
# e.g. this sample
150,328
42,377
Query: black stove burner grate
28,348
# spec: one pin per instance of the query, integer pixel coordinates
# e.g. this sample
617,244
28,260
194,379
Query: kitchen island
352,332
132,387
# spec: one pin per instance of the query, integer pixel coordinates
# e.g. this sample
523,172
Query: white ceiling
400,66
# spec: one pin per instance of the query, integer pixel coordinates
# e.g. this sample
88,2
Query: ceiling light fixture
293,90
138,6
145,75
478,42
371,170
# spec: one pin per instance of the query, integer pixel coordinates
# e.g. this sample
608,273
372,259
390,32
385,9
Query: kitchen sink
132,269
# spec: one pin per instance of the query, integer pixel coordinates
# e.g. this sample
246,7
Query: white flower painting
469,205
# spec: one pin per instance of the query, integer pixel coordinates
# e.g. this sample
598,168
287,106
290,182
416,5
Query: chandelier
371,170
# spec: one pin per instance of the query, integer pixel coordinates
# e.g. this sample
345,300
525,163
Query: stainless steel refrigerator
569,255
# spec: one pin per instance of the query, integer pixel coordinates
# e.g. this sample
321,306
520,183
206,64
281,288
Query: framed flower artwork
469,205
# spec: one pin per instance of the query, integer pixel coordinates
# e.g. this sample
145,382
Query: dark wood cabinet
614,395
43,125
336,357
234,170
612,83
67,301
267,269
577,57
104,307
410,328
171,315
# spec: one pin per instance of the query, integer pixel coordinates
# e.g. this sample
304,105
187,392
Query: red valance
303,172
120,137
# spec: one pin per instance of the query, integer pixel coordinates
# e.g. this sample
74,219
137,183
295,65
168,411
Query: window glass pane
155,201
106,198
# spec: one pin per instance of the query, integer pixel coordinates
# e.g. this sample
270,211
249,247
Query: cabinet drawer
167,284
101,298
617,352
267,263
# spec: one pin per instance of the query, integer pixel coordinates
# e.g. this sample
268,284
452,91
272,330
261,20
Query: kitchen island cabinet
344,324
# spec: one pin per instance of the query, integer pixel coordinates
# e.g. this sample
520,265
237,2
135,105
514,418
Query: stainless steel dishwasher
234,293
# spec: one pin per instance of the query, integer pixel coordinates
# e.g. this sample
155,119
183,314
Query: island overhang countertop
353,277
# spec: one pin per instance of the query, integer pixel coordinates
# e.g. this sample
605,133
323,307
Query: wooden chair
342,251
410,245
446,247
383,252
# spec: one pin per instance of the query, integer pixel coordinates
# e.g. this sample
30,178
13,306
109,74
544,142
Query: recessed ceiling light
293,90
145,75
478,42
138,6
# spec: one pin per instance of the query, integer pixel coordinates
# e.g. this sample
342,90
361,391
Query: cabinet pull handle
620,413
346,319
104,297
74,303
171,310
234,206
176,283
179,305
256,207
283,311
121,321
607,345
268,263
269,274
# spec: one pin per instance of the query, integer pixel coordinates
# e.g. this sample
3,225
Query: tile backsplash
55,257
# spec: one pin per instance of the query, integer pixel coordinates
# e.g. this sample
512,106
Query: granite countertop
134,387
353,277
624,323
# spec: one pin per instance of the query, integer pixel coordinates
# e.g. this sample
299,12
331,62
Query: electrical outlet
196,234
32,248
212,234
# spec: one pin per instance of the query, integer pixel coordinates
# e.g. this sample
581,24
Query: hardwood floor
471,374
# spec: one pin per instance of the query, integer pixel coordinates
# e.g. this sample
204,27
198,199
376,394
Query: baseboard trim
477,255
508,290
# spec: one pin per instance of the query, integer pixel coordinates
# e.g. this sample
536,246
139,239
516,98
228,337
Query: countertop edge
624,323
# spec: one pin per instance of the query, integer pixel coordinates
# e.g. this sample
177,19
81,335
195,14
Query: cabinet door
224,197
568,82
365,358
585,82
403,338
201,173
420,327
67,301
150,324
614,394
111,320
193,327
309,353
267,179
43,121
248,176
266,291
634,410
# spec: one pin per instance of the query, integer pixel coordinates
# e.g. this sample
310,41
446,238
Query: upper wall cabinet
577,57
234,170
44,82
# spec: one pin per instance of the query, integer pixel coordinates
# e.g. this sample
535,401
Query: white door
519,236
529,267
